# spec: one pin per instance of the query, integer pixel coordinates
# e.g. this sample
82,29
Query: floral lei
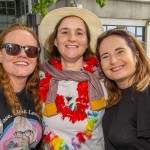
77,113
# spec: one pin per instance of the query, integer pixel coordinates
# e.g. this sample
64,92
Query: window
11,4
7,8
22,7
137,31
2,4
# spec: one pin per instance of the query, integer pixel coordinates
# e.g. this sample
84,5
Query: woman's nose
113,59
72,37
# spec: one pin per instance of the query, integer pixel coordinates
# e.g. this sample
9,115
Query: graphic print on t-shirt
20,134
1,128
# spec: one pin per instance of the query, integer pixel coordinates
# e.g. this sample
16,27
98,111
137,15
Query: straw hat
49,22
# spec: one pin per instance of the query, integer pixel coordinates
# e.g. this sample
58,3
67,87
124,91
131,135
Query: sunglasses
15,49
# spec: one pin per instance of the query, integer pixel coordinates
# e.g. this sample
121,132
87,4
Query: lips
118,68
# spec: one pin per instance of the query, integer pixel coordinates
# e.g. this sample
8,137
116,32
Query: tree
101,3
41,7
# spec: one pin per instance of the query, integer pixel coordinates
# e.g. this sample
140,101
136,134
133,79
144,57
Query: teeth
21,63
116,69
71,46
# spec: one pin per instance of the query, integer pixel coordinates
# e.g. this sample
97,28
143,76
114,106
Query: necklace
90,65
76,113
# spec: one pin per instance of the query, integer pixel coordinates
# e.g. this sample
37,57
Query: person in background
19,83
70,87
126,68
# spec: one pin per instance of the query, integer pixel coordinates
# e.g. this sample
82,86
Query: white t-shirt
67,130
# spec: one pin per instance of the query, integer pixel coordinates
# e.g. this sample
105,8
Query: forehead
112,42
72,21
18,36
17,33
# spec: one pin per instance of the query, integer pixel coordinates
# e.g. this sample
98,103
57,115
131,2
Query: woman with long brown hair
20,107
126,68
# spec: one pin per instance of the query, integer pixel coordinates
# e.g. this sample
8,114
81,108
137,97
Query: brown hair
32,84
52,50
142,73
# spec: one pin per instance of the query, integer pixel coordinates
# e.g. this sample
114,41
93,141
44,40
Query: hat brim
49,22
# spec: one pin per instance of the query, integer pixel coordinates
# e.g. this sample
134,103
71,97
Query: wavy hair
142,74
32,84
52,50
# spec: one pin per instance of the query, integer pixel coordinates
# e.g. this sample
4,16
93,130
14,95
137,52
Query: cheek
105,67
34,63
85,43
5,60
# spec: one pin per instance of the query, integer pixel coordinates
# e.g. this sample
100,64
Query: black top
126,125
19,132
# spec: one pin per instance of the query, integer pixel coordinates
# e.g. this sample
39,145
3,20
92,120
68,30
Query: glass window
22,8
2,4
3,11
18,10
131,29
139,30
111,27
10,11
11,4
26,5
104,28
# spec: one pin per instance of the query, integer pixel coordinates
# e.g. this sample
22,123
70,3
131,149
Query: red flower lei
88,65
81,102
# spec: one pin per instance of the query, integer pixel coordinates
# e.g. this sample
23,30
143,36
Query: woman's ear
1,56
55,42
137,56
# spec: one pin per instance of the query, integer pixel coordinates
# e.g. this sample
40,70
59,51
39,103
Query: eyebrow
76,29
119,48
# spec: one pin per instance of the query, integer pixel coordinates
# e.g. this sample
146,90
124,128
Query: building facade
134,15
14,11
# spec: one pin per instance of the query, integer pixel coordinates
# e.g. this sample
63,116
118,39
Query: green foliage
41,7
101,3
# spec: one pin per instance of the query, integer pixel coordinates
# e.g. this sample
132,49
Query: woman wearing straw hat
70,87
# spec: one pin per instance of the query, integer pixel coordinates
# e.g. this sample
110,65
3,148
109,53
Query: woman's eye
80,33
104,57
119,52
64,32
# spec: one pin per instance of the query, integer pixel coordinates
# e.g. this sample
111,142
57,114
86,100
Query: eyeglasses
15,49
26,133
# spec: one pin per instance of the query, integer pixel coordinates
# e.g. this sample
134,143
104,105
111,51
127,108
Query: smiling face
71,39
20,66
118,60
